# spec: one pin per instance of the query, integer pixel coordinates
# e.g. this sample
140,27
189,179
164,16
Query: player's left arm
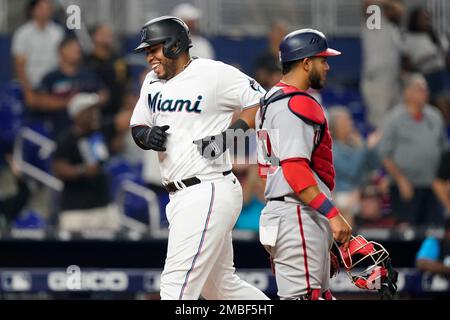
212,147
246,119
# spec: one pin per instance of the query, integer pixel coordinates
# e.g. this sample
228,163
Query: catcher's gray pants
299,240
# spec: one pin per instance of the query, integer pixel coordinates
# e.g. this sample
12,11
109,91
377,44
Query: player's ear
307,64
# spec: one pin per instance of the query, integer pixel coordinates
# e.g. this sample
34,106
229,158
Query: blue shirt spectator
49,104
354,159
434,254
63,85
249,218
252,194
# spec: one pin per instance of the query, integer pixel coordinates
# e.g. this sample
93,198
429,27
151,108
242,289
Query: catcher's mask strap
345,256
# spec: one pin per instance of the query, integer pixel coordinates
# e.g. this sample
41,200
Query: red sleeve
298,173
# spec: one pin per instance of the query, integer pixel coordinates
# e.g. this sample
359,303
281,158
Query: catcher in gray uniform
299,222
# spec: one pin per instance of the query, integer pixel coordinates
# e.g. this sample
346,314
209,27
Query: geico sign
90,281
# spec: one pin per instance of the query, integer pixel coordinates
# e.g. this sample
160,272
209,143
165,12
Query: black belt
176,186
276,199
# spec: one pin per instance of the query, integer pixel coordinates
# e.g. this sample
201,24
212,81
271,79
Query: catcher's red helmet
377,272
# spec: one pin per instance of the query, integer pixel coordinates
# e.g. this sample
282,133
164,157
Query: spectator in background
411,147
434,254
11,205
381,72
35,45
49,103
441,184
267,65
370,212
354,160
426,52
111,69
252,194
201,47
78,161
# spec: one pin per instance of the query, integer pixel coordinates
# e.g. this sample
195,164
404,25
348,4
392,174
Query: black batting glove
153,138
212,147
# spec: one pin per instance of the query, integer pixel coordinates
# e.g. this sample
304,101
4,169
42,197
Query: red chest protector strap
303,105
264,102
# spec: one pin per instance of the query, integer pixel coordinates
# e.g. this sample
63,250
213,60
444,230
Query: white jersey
198,102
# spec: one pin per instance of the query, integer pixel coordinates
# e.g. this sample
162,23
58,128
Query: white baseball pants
200,252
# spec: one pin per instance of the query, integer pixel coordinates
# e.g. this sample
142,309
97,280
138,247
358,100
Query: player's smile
156,67
154,57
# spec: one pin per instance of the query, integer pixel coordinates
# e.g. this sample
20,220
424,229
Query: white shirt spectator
39,47
424,53
201,48
386,65
381,71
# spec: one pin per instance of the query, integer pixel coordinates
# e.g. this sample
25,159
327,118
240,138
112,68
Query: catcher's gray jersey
297,237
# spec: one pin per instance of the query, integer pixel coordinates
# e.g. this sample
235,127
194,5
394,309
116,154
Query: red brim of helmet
328,53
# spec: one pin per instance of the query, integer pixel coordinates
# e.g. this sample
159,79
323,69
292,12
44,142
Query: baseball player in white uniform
299,222
186,106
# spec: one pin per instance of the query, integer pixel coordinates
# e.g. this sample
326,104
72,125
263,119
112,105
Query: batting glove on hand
151,138
212,147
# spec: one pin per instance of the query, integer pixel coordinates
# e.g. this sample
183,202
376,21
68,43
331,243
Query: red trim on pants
305,255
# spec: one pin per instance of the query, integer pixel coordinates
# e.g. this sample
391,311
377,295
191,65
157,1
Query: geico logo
90,281
258,279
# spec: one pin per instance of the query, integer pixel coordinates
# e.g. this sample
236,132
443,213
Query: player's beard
315,80
169,70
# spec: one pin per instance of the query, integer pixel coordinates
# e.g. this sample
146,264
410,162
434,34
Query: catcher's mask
377,272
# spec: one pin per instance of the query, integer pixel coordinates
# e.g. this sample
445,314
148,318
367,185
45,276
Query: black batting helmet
171,31
305,43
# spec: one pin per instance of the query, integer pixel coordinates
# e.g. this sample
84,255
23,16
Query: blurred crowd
393,174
